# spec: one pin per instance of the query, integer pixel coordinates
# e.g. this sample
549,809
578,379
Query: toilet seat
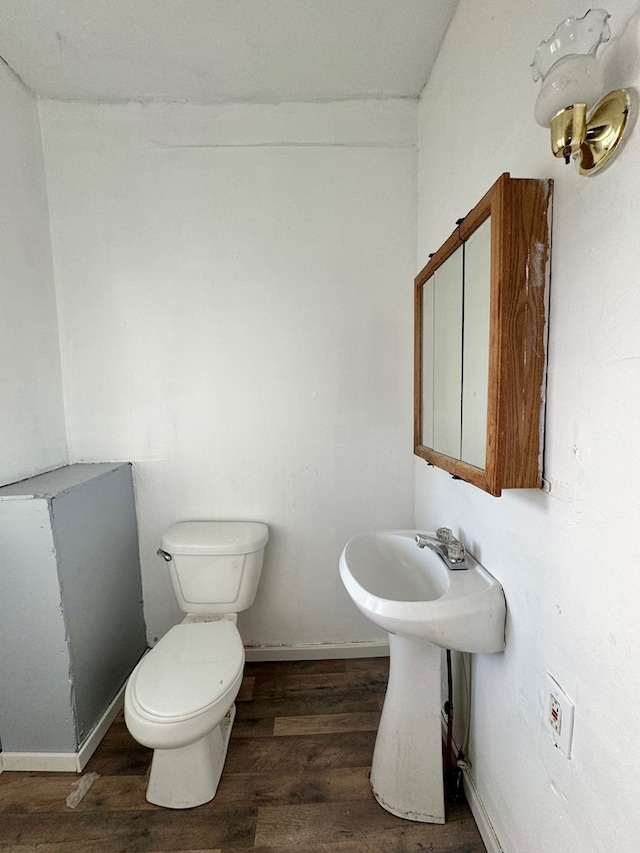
188,672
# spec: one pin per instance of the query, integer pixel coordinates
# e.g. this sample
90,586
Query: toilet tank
215,566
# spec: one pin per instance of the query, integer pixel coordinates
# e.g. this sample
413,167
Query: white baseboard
41,762
480,816
95,736
485,828
65,762
318,651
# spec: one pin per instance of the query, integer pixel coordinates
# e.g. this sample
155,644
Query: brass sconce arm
572,80
591,140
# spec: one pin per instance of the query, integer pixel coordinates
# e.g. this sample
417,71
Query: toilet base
189,775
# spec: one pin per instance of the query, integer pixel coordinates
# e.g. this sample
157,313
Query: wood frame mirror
480,341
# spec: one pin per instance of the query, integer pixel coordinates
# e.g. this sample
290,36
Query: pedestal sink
413,594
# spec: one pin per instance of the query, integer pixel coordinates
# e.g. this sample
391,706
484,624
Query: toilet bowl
179,700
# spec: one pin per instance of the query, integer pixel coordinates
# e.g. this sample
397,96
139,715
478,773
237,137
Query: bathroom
223,295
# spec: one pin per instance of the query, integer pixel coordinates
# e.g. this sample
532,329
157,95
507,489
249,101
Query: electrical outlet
555,714
558,715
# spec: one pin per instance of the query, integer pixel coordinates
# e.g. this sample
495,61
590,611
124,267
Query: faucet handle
456,551
444,534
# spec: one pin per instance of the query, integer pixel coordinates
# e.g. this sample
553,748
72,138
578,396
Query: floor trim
480,815
485,828
318,651
65,762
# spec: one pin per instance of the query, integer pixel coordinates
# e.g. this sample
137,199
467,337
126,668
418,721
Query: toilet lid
191,667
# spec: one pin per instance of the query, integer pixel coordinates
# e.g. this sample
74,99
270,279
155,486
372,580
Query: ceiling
213,51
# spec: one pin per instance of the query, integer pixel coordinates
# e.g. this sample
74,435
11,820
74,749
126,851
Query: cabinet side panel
524,319
35,699
97,542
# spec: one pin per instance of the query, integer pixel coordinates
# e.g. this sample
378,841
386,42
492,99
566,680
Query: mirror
447,355
480,315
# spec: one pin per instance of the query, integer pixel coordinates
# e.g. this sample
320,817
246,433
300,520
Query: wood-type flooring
295,779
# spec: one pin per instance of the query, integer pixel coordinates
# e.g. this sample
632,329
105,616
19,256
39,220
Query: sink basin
410,591
425,606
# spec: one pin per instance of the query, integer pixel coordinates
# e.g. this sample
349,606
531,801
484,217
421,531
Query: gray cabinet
71,622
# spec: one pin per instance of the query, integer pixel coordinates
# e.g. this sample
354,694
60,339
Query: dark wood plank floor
296,779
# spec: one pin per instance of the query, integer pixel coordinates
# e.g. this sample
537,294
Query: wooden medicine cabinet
480,335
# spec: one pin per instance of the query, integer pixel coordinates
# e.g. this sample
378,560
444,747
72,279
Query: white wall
235,298
32,432
569,561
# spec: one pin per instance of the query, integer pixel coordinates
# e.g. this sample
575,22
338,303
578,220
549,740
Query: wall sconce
573,81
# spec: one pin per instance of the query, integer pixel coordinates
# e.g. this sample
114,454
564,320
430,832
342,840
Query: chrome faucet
450,550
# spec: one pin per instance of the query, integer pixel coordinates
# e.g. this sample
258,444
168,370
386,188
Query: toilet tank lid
215,537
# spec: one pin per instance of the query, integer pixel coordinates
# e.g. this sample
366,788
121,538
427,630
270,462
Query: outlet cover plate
558,711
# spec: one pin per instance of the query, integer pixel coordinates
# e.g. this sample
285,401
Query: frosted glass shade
566,64
573,80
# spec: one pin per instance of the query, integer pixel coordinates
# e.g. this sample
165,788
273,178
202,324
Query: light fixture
572,85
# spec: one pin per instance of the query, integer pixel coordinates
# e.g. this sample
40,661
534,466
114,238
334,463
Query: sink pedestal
407,773
425,607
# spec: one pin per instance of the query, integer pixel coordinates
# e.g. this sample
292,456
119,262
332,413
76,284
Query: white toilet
179,699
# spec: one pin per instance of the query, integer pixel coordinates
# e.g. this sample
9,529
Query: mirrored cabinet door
480,324
447,354
425,392
475,360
